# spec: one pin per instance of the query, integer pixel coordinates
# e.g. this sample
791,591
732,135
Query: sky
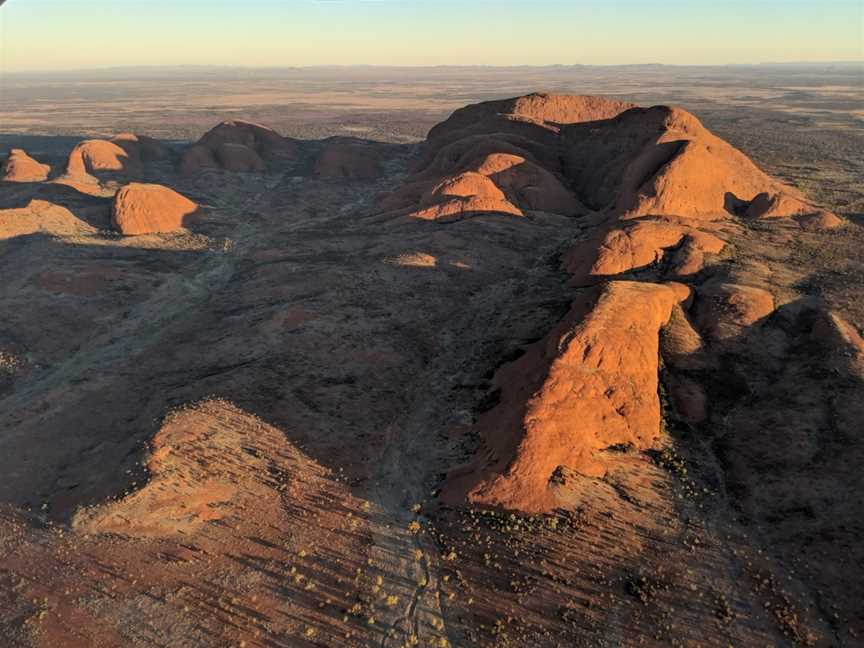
41,35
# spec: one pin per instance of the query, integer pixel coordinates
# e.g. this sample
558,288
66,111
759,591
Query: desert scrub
10,364
644,587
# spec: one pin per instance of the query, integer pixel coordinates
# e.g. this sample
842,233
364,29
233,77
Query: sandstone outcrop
148,208
590,385
572,154
195,475
20,167
142,147
663,161
724,310
637,244
515,144
665,195
238,157
197,158
530,115
41,217
125,154
92,157
237,146
347,159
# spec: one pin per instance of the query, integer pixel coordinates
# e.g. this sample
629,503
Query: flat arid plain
541,356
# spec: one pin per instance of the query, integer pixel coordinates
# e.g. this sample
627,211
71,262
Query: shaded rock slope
561,375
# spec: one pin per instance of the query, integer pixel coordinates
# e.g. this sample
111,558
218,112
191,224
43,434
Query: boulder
821,219
93,157
20,167
41,217
149,208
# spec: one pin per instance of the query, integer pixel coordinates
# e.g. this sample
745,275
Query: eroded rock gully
548,379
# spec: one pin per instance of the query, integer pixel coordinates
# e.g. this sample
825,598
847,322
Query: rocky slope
558,376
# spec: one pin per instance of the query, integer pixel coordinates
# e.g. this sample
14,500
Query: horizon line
426,67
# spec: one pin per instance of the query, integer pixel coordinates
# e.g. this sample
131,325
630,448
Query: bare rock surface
591,385
237,146
20,167
148,208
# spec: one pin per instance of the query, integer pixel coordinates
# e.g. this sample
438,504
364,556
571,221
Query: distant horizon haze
71,35
180,68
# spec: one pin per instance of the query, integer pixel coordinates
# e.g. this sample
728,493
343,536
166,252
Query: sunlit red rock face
536,117
20,167
573,154
661,195
125,154
40,216
640,244
590,386
149,208
237,146
498,157
663,161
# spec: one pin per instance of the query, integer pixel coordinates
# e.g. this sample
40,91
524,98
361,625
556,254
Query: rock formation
92,157
589,386
20,167
571,155
351,159
662,161
237,146
641,243
533,116
195,476
41,217
723,309
238,157
148,208
197,158
663,195
501,157
142,147
126,154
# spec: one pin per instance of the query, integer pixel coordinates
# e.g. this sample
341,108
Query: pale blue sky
69,34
